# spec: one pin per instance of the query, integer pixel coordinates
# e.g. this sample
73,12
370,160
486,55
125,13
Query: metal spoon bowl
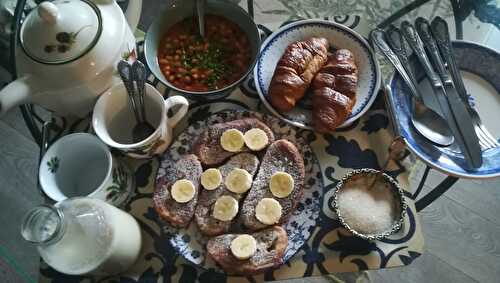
430,124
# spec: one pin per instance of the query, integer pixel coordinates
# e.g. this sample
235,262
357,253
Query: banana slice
281,184
244,246
225,208
232,140
238,181
211,179
268,211
183,191
256,139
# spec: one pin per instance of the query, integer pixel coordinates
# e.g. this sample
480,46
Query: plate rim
377,74
437,165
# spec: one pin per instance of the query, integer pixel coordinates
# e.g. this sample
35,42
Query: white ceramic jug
68,52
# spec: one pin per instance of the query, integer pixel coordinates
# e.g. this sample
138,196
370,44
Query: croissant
334,91
295,71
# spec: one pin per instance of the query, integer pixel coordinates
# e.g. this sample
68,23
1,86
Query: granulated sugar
368,211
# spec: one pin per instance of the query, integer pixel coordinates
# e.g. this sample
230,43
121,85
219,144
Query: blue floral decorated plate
480,68
338,36
190,243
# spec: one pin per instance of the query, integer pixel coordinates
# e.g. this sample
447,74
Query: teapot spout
16,93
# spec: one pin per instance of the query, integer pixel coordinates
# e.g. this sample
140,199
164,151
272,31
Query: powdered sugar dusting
280,156
178,214
206,222
219,248
208,148
191,244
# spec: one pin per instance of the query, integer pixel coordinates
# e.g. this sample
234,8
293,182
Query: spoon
125,71
426,121
200,12
143,128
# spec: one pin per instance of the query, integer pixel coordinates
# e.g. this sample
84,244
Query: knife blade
453,109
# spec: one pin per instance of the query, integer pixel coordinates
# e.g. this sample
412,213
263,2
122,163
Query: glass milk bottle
84,236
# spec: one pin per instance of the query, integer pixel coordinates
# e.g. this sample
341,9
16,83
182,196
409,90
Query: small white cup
82,165
113,121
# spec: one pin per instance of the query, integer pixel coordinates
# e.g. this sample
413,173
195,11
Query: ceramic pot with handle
68,52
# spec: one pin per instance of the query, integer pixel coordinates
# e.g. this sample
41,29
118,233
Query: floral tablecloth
330,248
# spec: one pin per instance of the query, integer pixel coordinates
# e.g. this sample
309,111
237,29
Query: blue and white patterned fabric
363,144
327,247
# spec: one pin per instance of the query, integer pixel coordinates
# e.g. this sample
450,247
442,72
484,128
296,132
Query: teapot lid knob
48,12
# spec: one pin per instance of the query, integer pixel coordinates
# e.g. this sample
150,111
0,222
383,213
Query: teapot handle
133,13
16,93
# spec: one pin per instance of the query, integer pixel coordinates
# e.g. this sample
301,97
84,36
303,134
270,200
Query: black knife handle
400,47
442,35
424,31
411,36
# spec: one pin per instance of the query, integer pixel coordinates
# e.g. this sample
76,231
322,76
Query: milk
97,238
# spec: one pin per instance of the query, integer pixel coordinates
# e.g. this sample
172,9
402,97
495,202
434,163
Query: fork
441,33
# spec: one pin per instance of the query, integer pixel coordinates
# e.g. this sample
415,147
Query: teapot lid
61,31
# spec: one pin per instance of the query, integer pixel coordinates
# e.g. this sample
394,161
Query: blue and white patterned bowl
482,82
338,36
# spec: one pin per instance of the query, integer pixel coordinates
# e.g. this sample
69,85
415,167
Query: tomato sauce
193,63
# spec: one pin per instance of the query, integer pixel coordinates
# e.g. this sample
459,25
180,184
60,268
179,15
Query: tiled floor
461,228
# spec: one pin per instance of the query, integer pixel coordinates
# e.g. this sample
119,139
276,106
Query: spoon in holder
128,74
142,129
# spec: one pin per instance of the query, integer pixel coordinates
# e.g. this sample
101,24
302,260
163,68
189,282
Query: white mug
82,165
113,121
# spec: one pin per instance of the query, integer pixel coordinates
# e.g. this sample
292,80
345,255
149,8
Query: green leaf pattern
120,184
53,164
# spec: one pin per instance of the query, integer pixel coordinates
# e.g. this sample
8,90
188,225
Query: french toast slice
207,224
281,155
208,148
271,246
178,214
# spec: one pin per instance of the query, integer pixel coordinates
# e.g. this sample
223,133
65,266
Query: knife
442,35
454,110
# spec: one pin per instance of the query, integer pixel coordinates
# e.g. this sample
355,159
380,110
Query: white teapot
68,52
